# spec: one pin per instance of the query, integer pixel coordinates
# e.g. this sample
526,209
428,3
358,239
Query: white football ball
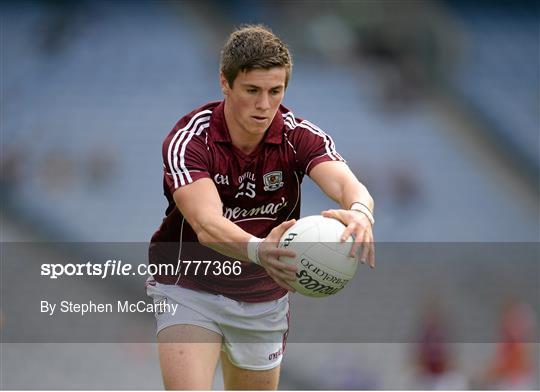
323,261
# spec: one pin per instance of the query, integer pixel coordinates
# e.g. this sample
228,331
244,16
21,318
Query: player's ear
224,84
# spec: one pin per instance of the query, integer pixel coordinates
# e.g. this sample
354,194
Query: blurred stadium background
435,105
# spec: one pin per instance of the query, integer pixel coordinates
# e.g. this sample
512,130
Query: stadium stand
90,91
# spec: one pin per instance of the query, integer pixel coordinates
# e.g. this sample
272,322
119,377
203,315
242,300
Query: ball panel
298,239
330,230
332,262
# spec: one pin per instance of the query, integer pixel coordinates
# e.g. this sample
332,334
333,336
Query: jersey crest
273,180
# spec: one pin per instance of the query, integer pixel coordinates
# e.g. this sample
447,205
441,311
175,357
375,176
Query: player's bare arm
200,204
339,183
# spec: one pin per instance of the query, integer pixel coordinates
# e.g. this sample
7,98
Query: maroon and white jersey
258,191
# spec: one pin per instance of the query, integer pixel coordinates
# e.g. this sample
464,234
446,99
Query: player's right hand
269,254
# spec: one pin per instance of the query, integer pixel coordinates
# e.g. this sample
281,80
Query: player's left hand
361,230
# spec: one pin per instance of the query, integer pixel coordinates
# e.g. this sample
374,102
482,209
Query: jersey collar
220,131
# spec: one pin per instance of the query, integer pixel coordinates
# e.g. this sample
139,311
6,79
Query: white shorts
254,334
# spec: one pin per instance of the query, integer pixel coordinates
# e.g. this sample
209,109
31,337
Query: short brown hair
254,47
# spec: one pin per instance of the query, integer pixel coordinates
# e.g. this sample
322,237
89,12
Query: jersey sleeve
312,146
185,158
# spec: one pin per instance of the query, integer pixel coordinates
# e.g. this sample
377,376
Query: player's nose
263,102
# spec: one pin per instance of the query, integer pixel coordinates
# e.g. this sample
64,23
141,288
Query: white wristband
253,249
364,210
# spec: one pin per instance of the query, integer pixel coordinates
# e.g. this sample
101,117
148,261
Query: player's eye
275,92
251,90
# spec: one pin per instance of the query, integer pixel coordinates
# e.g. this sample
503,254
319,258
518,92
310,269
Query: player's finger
347,232
276,253
291,277
288,223
355,247
336,214
372,253
330,214
365,247
275,263
284,266
281,252
287,276
357,241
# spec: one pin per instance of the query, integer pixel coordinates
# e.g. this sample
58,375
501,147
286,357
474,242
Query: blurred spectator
434,360
410,45
513,366
60,24
405,186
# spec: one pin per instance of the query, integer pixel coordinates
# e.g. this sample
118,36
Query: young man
232,177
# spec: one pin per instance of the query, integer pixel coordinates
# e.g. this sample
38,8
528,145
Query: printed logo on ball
309,282
287,240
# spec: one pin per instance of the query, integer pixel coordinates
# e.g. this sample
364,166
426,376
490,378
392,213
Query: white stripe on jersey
175,171
327,136
201,128
197,128
290,120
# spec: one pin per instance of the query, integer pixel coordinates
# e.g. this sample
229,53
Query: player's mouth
259,119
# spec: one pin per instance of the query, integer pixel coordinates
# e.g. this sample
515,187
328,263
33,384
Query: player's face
253,100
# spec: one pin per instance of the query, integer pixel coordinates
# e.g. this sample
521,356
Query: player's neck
245,144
